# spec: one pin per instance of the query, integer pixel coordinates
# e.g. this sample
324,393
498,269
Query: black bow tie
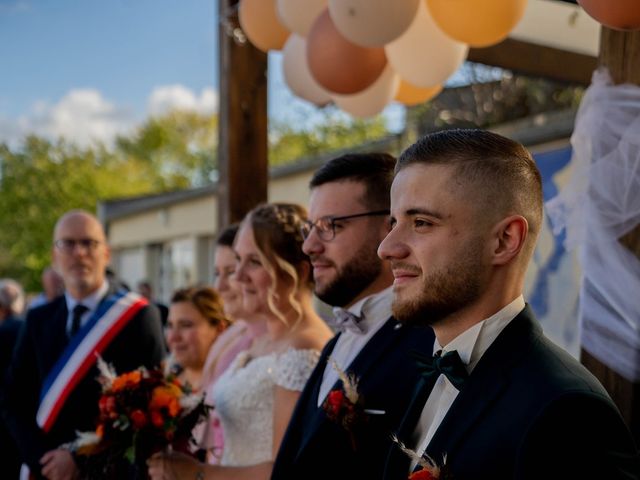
448,365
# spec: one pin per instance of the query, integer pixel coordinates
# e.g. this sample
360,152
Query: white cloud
168,97
84,116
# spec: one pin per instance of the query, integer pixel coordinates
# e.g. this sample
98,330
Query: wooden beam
537,60
242,125
620,53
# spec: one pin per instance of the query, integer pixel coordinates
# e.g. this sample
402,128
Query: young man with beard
498,400
348,214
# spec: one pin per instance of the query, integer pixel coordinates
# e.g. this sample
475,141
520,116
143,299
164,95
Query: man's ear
510,235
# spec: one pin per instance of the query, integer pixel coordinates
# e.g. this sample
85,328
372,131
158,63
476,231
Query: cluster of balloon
363,54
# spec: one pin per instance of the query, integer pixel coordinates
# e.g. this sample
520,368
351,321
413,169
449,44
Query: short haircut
374,170
496,174
11,296
227,236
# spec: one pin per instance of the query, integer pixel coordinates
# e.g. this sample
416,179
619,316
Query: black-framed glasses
68,245
326,226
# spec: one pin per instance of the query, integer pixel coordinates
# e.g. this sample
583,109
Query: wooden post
242,125
620,53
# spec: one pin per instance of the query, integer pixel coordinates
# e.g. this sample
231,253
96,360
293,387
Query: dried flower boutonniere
429,468
344,406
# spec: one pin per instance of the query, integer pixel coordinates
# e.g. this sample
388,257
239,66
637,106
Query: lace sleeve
294,368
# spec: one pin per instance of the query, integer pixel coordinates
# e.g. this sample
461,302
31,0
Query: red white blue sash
111,316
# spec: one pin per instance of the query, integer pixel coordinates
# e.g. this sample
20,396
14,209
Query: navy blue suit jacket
316,447
528,411
40,344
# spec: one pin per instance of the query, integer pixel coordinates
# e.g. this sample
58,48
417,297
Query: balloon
616,14
479,23
372,23
339,65
299,15
423,55
410,95
371,100
260,24
297,74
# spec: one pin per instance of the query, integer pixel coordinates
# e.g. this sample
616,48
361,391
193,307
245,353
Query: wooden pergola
539,46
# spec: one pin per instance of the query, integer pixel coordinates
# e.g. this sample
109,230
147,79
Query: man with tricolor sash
52,389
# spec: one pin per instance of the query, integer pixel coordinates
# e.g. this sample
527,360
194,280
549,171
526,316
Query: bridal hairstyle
277,233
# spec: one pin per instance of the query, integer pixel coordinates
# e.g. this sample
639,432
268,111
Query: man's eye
420,222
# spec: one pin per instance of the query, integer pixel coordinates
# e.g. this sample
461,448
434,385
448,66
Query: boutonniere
344,406
428,469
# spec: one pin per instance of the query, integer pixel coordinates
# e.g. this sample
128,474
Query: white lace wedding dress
243,399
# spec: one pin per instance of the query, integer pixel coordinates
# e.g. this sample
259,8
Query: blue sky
89,69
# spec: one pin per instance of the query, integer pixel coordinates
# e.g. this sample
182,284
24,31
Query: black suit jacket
41,343
315,447
9,463
528,411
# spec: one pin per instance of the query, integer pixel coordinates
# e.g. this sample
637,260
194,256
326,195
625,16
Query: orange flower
423,474
168,397
130,379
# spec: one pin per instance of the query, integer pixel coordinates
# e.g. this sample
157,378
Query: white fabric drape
600,204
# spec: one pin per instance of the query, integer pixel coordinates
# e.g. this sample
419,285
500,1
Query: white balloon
297,73
423,55
372,99
299,15
372,23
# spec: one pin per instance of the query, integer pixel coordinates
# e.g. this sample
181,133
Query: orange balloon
260,23
337,64
616,14
479,23
411,95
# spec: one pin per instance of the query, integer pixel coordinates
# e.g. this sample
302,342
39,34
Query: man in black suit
498,400
348,213
11,307
45,403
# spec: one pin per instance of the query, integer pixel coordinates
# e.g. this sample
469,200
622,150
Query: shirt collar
90,301
374,308
473,342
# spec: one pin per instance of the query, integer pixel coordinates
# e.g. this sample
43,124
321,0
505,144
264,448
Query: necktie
345,320
78,311
448,365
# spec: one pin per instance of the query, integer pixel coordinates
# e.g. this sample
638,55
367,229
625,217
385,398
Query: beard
445,291
355,276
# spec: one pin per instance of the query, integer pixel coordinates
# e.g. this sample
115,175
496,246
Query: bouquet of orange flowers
141,412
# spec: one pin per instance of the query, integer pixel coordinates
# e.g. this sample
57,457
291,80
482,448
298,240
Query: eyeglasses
68,245
326,226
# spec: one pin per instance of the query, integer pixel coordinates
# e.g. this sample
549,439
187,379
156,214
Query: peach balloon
479,23
372,23
261,25
616,14
411,95
339,65
373,99
299,15
297,74
423,55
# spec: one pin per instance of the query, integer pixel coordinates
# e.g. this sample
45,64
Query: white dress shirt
375,310
91,302
470,345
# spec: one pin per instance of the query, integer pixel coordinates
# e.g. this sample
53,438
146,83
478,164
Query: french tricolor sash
111,316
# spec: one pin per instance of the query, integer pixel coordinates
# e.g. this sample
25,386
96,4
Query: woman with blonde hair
256,395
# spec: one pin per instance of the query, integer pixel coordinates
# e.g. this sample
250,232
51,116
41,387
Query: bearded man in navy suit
52,387
498,400
348,214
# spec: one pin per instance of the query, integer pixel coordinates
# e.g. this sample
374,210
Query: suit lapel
372,351
485,384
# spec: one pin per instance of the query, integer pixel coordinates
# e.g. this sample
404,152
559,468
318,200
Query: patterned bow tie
345,320
450,365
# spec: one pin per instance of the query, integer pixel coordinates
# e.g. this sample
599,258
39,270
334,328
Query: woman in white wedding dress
256,395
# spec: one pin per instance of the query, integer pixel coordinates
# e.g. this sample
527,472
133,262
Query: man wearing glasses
349,217
52,390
